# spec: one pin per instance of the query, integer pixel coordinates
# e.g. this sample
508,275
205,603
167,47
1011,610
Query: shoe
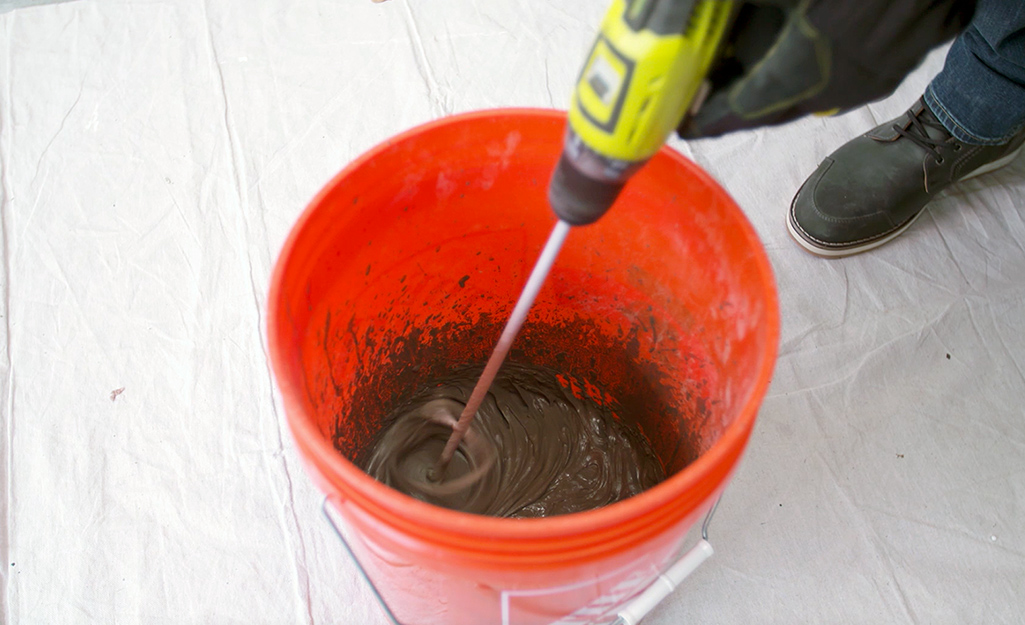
874,187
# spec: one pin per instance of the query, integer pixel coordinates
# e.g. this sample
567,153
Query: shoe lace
916,133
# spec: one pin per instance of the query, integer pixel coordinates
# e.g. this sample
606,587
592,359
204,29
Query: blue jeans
979,96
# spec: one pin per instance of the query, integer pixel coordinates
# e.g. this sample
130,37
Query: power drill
643,74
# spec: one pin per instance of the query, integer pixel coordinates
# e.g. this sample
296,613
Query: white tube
665,584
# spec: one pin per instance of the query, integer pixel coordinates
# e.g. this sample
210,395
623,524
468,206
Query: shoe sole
827,252
995,165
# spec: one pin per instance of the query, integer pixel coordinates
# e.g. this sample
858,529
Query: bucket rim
706,475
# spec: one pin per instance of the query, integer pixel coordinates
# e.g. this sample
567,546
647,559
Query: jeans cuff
959,132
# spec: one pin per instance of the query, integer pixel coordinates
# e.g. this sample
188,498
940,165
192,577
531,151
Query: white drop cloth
155,154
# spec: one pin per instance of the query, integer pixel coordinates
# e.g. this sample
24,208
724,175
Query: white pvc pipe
665,584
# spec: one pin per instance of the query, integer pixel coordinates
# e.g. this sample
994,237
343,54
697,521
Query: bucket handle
667,582
352,555
632,614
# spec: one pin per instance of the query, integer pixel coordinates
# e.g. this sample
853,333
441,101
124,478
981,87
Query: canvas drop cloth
154,155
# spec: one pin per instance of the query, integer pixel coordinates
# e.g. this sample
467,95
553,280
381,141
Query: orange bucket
407,265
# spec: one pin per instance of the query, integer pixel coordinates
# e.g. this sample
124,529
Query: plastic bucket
408,263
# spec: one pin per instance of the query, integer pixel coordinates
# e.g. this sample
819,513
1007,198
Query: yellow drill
643,74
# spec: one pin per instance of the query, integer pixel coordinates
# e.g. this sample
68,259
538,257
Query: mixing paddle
512,328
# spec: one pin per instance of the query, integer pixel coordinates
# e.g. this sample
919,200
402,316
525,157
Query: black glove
785,59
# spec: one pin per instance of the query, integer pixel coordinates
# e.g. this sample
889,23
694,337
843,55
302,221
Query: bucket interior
408,264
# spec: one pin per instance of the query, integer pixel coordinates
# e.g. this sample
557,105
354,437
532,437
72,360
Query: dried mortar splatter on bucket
535,449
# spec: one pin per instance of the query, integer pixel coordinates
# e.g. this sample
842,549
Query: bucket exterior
407,264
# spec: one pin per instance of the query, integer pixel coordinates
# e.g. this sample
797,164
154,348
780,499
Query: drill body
642,75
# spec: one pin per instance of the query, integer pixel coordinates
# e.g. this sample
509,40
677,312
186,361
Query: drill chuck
577,198
586,183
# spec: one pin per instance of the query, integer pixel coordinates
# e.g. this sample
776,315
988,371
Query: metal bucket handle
631,614
362,572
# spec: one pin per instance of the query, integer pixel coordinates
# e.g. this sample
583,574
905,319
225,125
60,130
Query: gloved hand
785,59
